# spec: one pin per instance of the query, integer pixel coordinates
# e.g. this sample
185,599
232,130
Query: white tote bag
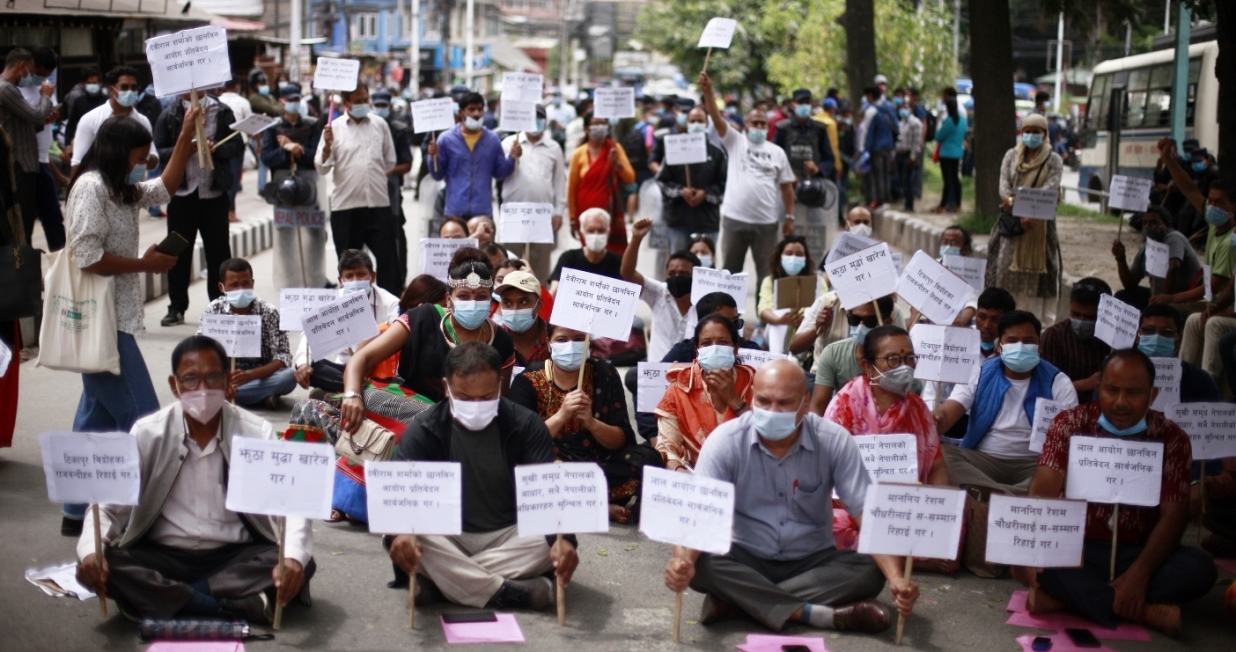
78,332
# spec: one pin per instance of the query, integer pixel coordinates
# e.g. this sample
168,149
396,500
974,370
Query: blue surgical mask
473,124
696,127
356,287
802,110
540,127
682,119
567,355
1135,429
774,426
897,101
240,298
718,356
359,111
1199,166
904,113
127,98
519,320
859,333
987,346
382,112
793,264
1032,141
757,136
136,175
92,89
291,107
264,89
1020,357
470,314
32,80
949,250
282,85
1215,216
706,261
1157,346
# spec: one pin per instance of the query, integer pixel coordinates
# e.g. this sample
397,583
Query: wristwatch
348,395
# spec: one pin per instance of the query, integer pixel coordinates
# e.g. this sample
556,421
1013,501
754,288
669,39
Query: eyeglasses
894,361
1169,333
191,382
869,321
738,324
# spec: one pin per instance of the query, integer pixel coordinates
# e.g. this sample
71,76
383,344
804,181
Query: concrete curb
249,238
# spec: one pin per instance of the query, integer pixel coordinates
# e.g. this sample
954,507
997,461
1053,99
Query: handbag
370,442
21,273
1009,225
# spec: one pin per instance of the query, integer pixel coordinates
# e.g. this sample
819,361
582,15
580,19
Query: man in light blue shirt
783,566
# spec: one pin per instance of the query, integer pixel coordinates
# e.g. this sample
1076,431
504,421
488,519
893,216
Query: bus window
1135,100
1096,111
1159,99
1195,72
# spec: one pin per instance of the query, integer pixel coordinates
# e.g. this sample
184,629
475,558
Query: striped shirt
22,122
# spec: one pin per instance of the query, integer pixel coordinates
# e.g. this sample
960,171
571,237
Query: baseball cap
881,79
830,103
522,281
290,92
540,110
380,96
802,94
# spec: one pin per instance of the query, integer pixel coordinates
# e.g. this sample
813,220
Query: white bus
1147,117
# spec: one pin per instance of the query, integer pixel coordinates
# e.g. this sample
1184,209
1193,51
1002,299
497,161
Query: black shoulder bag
1009,225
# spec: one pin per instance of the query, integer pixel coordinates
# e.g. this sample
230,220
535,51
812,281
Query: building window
365,27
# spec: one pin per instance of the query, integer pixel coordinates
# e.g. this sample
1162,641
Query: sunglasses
869,321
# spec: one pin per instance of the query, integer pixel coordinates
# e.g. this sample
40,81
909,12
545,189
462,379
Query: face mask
1135,429
127,98
291,107
1157,346
264,89
1082,328
678,286
240,298
596,241
987,346
757,136
32,80
859,333
847,121
774,426
904,113
359,111
1199,166
949,250
1032,141
1215,216
696,128
540,127
557,101
356,287
802,110
454,108
202,405
136,175
598,132
92,89
861,229
383,112
1232,240
474,415
282,85
793,264
682,119
706,261
719,356
1019,357
567,355
897,101
186,104
519,320
896,381
472,124
470,314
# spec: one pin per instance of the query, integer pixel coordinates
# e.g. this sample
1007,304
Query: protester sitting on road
521,303
488,565
453,228
1158,336
593,257
782,459
991,304
1071,345
1154,573
1219,513
838,363
180,551
995,451
704,248
714,389
1182,264
670,299
789,258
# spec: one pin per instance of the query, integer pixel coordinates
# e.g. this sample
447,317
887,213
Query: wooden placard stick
879,318
677,607
901,620
687,168
707,56
1115,531
1202,482
283,535
527,251
229,137
203,154
98,559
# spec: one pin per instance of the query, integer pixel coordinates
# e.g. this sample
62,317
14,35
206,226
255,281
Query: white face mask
355,287
861,229
474,415
202,405
596,241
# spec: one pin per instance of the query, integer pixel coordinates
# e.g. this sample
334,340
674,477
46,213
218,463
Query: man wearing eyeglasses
838,364
181,552
124,93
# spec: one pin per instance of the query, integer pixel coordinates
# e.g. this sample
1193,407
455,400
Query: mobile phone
172,245
1082,637
795,648
470,617
1041,644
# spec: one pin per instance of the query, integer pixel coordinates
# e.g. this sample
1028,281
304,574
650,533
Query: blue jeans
112,403
262,173
680,239
280,383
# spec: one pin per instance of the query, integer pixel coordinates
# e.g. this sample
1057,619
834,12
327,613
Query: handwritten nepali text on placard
517,116
561,498
685,149
436,255
1158,258
596,304
336,74
1130,193
687,510
240,335
947,353
254,124
94,468
1036,203
194,58
652,383
1167,376
846,244
705,281
937,293
1211,428
526,222
1035,532
973,270
889,458
414,497
718,33
1045,411
614,102
437,114
339,325
757,358
522,87
905,519
281,478
864,276
295,303
1118,322
1107,470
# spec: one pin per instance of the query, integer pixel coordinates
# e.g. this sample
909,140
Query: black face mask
679,286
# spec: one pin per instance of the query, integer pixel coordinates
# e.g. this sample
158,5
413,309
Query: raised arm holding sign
186,62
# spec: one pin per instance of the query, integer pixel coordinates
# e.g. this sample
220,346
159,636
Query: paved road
617,602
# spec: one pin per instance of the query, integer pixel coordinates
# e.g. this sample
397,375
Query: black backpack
633,145
930,126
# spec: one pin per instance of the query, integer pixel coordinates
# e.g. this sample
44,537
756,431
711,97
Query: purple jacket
470,174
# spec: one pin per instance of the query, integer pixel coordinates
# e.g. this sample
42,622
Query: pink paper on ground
1228,565
504,630
1059,643
773,643
1060,620
196,646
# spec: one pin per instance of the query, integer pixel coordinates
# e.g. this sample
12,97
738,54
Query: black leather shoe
173,318
71,527
866,616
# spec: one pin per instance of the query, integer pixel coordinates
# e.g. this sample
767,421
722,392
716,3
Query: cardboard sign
561,498
1129,193
718,33
889,458
339,325
254,124
526,222
756,358
948,354
610,102
281,478
1157,258
846,244
295,303
1111,470
1045,411
91,467
937,293
414,497
1167,375
436,253
687,510
1211,428
194,58
517,116
1209,295
686,149
286,218
522,87
705,281
595,304
794,292
905,519
864,276
1118,322
1035,532
240,335
972,270
437,114
652,383
1036,203
336,74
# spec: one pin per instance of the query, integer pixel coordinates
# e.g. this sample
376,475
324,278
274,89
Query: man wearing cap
539,178
401,136
469,157
293,137
520,294
807,145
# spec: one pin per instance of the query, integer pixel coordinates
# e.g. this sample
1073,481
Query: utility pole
1059,63
414,48
1180,79
468,42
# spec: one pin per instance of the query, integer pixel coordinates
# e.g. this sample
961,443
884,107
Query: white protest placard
437,114
595,304
687,510
948,354
435,259
339,325
611,102
1036,203
756,358
1118,322
240,335
1035,532
686,149
889,458
94,468
1167,375
295,303
718,33
517,116
336,74
705,281
414,497
1130,193
1157,258
1110,470
522,87
864,276
6,356
1211,428
906,519
846,243
1209,295
254,124
937,293
281,478
652,382
561,499
526,222
1045,411
194,58
973,270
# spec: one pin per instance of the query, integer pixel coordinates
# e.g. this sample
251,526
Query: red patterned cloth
854,408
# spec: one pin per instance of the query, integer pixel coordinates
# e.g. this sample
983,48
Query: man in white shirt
995,451
758,169
124,93
241,109
539,178
669,299
180,551
357,149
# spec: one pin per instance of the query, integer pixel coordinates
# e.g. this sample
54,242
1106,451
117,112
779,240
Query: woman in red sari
599,169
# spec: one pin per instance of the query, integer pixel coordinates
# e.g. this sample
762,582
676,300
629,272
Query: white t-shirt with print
754,178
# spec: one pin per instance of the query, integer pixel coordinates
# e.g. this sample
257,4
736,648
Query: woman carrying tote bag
105,196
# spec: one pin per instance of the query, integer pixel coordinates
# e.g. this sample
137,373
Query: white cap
881,79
